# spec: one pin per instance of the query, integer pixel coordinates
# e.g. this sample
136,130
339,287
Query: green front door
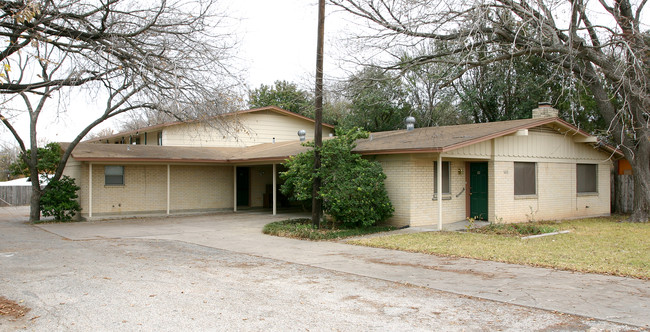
478,191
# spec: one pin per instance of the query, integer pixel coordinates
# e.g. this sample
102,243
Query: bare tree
602,44
168,56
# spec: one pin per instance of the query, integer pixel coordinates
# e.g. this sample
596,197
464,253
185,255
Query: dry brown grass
597,245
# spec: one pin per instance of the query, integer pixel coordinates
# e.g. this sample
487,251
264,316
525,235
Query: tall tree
168,56
378,101
8,155
601,45
285,95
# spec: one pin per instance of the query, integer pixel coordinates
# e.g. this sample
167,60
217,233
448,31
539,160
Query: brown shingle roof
420,140
445,138
153,153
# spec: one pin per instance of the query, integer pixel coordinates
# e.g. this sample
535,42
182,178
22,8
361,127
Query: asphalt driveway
219,272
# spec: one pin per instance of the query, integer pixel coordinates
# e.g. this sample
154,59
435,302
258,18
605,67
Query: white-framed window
114,175
586,178
446,187
160,138
525,178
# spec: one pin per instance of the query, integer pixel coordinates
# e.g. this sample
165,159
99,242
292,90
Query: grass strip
302,229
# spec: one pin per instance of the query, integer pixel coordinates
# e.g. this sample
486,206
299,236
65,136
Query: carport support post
275,190
90,190
168,187
234,188
439,190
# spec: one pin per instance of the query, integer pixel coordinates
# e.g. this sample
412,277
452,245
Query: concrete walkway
616,299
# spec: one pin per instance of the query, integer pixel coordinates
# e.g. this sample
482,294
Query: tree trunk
641,168
35,201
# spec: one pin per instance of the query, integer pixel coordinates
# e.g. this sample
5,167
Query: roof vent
410,123
302,134
545,110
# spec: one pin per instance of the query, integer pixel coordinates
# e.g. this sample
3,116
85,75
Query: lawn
597,245
302,229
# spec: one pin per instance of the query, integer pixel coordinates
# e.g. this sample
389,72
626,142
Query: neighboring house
510,171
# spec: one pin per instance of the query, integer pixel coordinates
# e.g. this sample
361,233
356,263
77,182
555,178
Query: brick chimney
544,110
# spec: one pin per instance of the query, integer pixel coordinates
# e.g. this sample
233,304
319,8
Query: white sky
277,42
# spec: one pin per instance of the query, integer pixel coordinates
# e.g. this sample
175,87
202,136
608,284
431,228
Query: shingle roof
420,140
152,153
444,138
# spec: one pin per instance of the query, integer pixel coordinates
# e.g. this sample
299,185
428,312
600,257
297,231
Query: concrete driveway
277,283
617,299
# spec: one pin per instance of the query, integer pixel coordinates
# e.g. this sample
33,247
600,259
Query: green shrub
352,188
59,200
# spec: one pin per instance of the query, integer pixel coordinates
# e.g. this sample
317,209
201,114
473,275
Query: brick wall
556,196
409,183
193,188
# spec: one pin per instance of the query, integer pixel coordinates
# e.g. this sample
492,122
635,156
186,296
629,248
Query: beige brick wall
201,187
425,208
556,194
409,183
144,190
193,188
260,177
398,181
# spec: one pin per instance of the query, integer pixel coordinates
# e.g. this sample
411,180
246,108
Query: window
114,175
160,138
525,179
587,178
445,178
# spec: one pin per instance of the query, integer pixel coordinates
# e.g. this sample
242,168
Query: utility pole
316,203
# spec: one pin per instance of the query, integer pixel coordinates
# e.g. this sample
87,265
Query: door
478,191
243,186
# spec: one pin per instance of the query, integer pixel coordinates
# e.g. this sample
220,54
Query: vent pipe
302,134
410,123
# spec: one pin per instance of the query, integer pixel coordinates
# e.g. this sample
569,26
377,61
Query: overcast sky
279,39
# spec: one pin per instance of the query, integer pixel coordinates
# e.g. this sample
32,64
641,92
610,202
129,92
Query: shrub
59,200
352,188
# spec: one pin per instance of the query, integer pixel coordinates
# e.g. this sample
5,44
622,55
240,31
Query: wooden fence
623,196
15,195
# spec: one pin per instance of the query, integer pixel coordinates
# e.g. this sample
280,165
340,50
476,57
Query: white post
439,176
90,190
275,191
168,188
234,188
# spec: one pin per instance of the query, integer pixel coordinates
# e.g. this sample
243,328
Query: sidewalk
616,299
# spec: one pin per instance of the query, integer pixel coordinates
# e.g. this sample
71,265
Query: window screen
113,175
445,177
587,177
525,179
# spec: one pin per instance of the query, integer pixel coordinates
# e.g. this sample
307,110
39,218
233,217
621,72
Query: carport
129,180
